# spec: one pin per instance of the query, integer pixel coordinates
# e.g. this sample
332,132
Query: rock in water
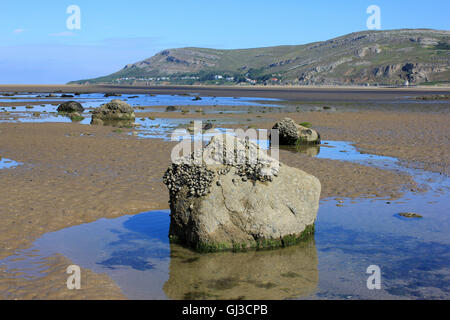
171,108
291,133
116,110
70,107
410,215
225,198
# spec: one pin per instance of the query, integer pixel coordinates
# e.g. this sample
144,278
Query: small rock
171,108
410,215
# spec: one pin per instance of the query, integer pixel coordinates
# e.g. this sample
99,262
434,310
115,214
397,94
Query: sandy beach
73,174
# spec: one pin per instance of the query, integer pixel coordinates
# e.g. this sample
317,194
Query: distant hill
393,57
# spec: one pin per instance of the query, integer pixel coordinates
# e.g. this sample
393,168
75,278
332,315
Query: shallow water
8,163
351,234
93,100
142,103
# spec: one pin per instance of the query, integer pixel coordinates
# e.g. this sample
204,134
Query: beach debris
236,198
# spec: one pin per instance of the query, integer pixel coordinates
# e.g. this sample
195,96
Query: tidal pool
8,163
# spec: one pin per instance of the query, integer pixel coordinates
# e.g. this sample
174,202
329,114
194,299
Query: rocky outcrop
116,110
232,196
291,133
70,107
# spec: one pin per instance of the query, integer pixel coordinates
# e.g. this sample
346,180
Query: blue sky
36,46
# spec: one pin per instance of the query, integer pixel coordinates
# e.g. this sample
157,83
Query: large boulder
116,110
70,107
291,133
233,198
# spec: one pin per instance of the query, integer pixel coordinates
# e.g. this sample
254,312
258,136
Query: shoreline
273,92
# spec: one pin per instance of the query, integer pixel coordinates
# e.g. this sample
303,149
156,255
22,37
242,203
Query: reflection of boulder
270,274
309,150
114,123
291,133
238,197
116,110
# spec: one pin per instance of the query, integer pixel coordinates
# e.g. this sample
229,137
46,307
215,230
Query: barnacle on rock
197,178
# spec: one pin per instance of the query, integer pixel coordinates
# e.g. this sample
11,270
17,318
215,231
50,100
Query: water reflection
135,252
272,274
309,150
114,123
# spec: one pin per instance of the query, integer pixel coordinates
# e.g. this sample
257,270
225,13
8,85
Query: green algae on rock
116,110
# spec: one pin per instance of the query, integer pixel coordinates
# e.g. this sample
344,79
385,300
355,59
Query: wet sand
52,285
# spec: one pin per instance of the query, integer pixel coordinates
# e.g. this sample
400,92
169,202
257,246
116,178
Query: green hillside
393,57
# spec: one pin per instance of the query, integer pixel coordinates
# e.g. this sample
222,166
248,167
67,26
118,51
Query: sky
37,47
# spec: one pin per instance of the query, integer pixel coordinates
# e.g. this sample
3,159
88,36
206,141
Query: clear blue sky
37,47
